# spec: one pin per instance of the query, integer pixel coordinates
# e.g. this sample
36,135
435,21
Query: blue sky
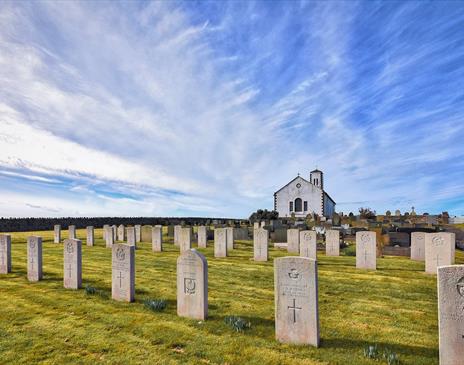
207,108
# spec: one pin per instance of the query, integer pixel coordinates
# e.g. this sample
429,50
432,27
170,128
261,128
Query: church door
298,205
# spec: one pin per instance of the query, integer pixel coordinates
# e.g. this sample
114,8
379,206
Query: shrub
155,305
349,250
237,323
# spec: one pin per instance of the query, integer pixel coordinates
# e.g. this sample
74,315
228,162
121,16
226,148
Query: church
303,197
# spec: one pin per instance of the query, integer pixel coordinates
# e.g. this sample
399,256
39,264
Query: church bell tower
316,178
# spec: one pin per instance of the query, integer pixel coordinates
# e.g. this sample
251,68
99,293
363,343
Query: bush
155,305
237,323
349,251
367,213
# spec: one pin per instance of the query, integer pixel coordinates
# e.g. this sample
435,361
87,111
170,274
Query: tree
366,213
388,213
261,215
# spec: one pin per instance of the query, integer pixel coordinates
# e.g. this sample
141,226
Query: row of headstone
305,242
436,249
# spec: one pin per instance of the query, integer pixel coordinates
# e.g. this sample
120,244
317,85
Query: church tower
316,178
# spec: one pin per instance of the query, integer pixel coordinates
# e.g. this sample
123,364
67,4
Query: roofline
328,196
291,182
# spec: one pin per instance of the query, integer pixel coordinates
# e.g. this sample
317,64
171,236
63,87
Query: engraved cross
295,308
69,270
120,277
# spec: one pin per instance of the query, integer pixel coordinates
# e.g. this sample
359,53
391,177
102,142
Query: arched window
298,205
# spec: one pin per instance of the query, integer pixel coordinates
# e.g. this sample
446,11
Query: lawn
394,307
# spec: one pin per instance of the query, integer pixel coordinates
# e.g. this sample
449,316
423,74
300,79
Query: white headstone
220,242
230,238
157,239
5,253
121,232
115,233
123,272
308,244
255,226
261,244
131,235
202,237
138,233
177,234
105,226
296,300
34,258
418,246
293,240
192,285
332,242
90,236
109,236
72,277
366,250
451,314
72,232
56,233
185,239
438,251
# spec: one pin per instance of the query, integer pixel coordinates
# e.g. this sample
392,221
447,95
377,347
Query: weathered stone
451,314
34,258
177,234
230,238
56,233
185,239
366,250
438,251
115,232
296,300
255,226
202,237
138,232
332,242
192,285
90,236
146,233
105,227
131,234
72,277
418,246
308,244
5,253
293,240
121,232
123,272
220,242
261,244
157,239
109,236
72,232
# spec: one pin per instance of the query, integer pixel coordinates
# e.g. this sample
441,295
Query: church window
291,206
305,206
298,205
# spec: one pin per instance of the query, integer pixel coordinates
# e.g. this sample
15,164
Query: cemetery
197,294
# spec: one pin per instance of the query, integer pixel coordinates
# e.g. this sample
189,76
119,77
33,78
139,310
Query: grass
394,308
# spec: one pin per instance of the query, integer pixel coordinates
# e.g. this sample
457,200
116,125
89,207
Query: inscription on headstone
296,300
418,246
90,236
261,244
308,244
332,242
366,250
34,258
220,242
157,239
192,285
5,253
56,233
451,314
72,277
293,240
123,272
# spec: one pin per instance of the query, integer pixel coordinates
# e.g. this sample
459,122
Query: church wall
307,192
329,207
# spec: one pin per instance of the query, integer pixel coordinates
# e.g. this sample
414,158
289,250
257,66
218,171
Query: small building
303,197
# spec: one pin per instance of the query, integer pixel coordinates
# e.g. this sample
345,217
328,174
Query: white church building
304,197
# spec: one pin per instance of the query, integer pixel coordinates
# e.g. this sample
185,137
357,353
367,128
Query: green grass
394,307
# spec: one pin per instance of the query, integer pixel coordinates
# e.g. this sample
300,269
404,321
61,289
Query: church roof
291,182
316,171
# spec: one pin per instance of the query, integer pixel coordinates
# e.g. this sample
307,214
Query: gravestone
72,277
146,233
263,223
418,246
90,236
192,285
121,232
177,229
366,250
308,244
296,300
34,258
332,242
438,251
105,227
115,232
109,236
123,272
5,253
157,239
202,237
255,226
451,314
138,232
185,239
230,238
220,242
131,236
72,232
56,233
293,240
260,244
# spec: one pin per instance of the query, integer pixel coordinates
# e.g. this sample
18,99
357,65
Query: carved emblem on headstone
437,241
365,238
189,285
460,287
120,254
294,274
69,247
32,244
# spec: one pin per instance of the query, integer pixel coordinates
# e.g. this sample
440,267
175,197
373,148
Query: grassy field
394,307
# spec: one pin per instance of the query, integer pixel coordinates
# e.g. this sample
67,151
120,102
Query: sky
207,108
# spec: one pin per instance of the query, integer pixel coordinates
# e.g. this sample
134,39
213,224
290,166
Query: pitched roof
291,182
316,171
